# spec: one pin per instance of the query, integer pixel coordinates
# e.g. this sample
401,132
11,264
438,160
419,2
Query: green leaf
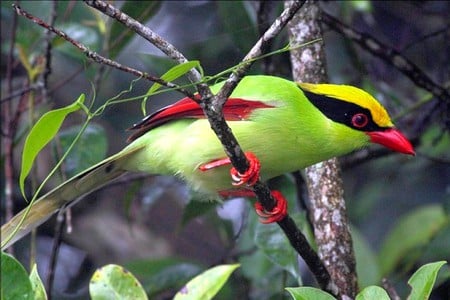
37,285
114,282
91,147
15,283
422,281
373,293
40,135
412,231
120,35
207,284
275,245
309,293
173,73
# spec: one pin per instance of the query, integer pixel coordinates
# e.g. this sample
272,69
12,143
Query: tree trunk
327,205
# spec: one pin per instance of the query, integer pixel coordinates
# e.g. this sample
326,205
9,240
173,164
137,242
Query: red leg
250,177
214,164
277,213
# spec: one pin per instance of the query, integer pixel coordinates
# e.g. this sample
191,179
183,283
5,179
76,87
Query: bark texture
327,205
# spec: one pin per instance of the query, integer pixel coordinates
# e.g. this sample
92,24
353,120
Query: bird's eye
360,120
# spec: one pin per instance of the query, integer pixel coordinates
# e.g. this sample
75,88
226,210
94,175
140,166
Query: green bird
282,126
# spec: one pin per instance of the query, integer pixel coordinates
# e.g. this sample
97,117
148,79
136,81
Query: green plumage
285,138
288,136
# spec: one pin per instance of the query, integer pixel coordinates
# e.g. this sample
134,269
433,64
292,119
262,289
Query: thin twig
97,57
217,120
389,55
21,108
145,32
433,34
20,92
256,51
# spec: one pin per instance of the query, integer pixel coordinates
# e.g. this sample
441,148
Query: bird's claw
277,213
251,175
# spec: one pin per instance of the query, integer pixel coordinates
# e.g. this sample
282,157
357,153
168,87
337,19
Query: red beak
392,139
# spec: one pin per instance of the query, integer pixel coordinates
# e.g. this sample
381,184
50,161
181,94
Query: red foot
249,177
214,164
277,213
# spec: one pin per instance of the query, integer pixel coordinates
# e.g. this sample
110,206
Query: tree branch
145,32
95,56
389,55
151,36
237,157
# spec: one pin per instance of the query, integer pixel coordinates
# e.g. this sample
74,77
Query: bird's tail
63,195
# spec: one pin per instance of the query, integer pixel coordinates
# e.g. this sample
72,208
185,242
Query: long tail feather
63,195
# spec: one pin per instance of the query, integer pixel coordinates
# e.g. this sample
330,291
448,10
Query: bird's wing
235,109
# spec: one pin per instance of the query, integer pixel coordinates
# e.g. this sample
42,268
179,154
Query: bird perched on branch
282,126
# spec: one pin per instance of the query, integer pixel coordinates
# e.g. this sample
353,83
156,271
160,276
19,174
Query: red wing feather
235,109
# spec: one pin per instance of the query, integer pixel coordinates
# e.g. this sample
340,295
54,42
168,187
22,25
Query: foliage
114,282
41,134
421,283
15,282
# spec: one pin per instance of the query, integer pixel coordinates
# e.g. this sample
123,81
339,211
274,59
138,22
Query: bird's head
358,110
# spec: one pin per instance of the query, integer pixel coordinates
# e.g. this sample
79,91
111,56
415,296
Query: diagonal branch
151,36
94,56
234,152
256,51
212,107
389,55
